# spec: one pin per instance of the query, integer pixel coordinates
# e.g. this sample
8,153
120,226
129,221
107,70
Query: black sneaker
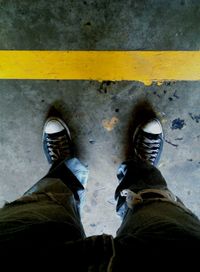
148,141
56,140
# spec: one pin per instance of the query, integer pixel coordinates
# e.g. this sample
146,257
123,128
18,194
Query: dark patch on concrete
179,139
158,95
170,99
190,160
174,145
92,225
169,83
105,85
175,95
91,141
196,118
178,124
164,91
116,110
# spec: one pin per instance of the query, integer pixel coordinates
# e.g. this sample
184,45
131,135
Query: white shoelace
147,148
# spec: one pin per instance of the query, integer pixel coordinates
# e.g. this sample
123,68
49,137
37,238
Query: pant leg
72,173
49,212
155,229
137,175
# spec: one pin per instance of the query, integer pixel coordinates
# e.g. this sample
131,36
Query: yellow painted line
144,66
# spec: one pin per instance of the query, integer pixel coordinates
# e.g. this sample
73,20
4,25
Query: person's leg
144,200
156,226
50,210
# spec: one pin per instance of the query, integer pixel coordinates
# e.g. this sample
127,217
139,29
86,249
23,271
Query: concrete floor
90,107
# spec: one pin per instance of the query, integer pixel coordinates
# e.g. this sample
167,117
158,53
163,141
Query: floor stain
175,95
178,124
194,117
105,85
110,124
179,139
174,145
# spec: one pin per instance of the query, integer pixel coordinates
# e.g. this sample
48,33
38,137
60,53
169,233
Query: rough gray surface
87,105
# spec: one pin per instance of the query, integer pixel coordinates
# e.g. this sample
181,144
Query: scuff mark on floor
194,117
175,145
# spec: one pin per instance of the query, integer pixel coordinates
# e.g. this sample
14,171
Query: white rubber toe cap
53,126
153,127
